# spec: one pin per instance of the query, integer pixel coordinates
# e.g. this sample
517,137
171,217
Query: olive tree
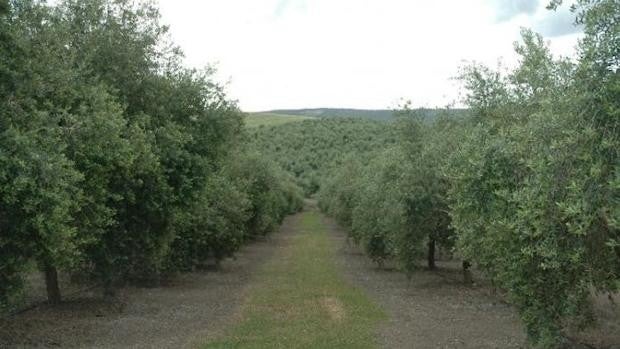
534,190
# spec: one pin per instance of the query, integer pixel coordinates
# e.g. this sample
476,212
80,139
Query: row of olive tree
115,160
528,187
534,190
396,204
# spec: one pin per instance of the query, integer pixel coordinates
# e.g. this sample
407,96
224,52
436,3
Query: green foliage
339,193
369,114
116,160
366,198
424,186
527,187
213,227
37,181
396,204
534,189
377,115
270,119
311,149
378,218
247,199
271,192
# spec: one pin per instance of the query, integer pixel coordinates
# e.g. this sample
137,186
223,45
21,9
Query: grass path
300,300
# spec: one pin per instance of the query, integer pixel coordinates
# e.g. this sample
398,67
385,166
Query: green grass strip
301,301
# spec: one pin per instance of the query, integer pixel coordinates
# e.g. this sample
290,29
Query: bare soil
436,309
181,314
430,310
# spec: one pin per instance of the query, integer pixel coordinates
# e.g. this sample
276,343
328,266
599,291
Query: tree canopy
116,161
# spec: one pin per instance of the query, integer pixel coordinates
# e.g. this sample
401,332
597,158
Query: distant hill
272,119
378,114
312,148
372,114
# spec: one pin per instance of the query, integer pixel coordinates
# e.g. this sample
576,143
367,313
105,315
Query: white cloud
346,53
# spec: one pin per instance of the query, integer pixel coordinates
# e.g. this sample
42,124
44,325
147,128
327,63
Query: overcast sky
278,54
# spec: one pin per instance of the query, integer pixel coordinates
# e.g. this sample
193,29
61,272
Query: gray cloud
548,23
557,23
508,9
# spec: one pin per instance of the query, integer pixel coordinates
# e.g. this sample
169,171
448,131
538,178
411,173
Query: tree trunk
51,284
218,263
467,277
109,291
431,254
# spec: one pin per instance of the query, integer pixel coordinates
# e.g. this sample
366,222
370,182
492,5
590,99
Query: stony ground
181,314
430,310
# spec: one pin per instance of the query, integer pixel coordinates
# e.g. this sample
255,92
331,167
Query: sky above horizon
367,54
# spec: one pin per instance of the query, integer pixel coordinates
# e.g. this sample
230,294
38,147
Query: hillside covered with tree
312,149
370,114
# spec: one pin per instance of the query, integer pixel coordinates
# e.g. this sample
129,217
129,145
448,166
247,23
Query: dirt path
179,315
430,311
